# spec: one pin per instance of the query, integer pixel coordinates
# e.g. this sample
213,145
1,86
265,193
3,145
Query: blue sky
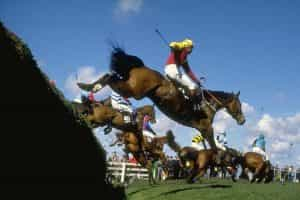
251,46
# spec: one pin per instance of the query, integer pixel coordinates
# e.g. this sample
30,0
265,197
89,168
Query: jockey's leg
172,71
194,89
149,136
197,146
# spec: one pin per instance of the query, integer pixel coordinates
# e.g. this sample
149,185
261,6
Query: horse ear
238,94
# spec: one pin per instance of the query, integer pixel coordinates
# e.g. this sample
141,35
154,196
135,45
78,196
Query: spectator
114,156
132,160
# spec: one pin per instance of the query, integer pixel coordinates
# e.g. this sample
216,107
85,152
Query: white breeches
173,72
121,107
198,146
261,152
149,136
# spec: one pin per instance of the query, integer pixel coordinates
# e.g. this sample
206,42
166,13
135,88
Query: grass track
213,190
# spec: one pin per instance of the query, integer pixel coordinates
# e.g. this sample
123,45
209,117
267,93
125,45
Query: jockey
197,142
177,58
259,146
122,104
87,99
147,130
221,141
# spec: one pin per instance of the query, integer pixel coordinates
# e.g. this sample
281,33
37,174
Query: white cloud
247,108
164,123
282,136
280,146
127,7
285,128
222,122
87,74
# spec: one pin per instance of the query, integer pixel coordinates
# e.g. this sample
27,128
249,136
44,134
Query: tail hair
122,63
172,143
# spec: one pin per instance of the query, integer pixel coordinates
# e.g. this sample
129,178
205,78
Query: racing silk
178,57
146,124
119,99
198,138
91,97
260,143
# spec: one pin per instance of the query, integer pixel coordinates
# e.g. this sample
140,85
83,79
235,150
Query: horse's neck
142,110
219,98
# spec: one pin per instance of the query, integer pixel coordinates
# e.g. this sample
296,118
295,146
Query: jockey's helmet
261,136
181,45
187,43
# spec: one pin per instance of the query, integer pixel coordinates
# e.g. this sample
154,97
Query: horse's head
234,108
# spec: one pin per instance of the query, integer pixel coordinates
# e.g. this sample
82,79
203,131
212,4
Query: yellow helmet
181,45
187,43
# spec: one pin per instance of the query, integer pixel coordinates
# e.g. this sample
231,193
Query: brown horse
131,78
199,161
104,114
261,169
146,156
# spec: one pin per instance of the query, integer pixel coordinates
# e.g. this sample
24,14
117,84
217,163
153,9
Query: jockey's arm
127,100
187,69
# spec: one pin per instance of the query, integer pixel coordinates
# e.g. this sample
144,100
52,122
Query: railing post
123,172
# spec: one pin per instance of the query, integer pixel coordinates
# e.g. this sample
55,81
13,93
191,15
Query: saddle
184,90
203,104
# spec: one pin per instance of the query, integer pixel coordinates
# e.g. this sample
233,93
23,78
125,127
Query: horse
198,161
261,169
104,114
131,78
145,157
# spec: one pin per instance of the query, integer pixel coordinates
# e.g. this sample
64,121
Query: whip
162,37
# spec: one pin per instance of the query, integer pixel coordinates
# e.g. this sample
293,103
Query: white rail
126,169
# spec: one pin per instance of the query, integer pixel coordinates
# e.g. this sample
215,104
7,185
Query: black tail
122,63
172,143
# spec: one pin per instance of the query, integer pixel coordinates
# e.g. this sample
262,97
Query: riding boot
196,101
108,128
133,117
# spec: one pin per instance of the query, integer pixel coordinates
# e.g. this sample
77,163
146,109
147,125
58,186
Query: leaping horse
105,115
131,78
152,151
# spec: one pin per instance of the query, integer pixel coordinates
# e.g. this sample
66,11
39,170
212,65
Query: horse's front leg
97,85
207,132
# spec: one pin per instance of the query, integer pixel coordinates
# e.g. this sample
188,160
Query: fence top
121,163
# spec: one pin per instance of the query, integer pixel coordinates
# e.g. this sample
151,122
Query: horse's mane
220,95
121,62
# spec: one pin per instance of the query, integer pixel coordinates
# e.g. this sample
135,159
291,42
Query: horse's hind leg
257,173
196,173
192,177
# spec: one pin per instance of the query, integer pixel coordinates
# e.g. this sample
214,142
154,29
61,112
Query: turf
212,189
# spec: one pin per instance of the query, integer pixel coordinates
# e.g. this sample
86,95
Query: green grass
213,189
